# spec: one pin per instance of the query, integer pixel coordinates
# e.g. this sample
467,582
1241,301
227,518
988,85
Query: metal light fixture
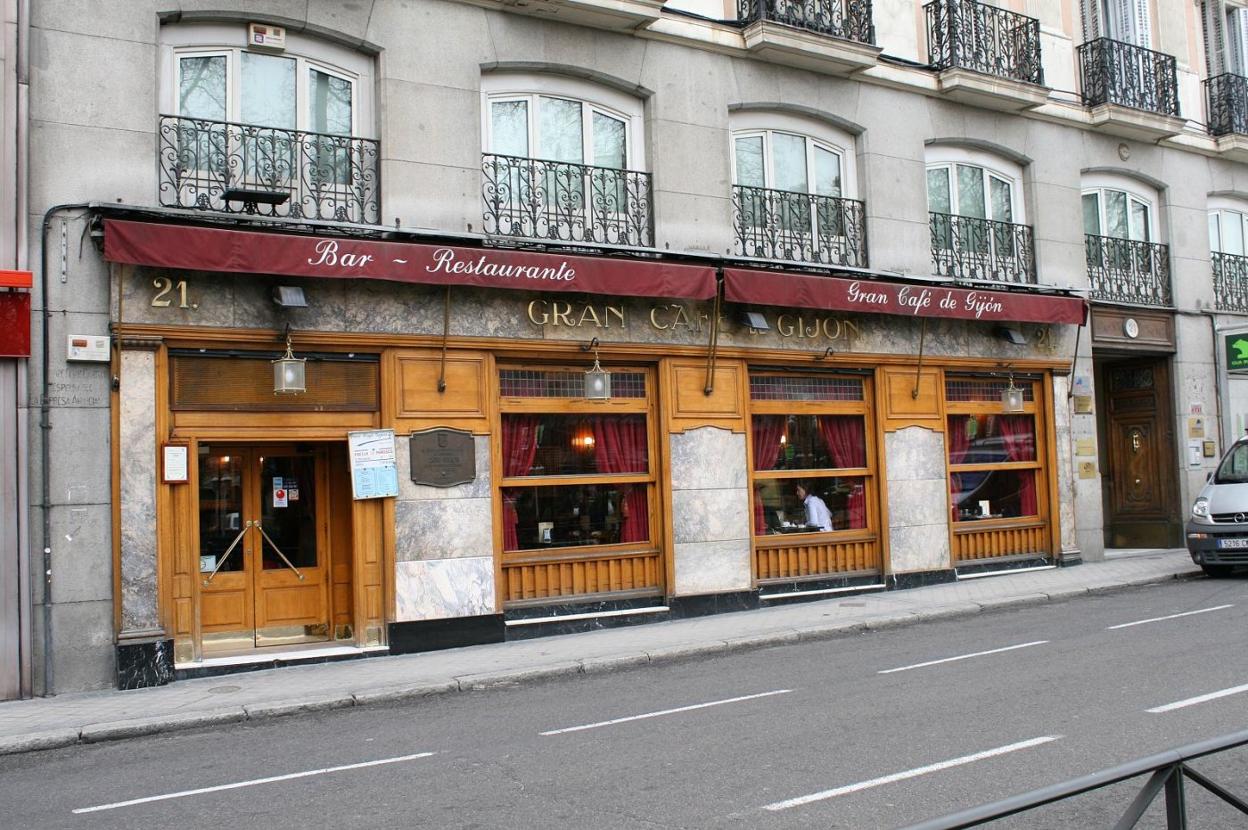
1012,397
597,379
288,373
289,296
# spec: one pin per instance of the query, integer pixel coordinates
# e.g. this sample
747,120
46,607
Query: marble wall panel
712,567
139,611
915,454
916,503
443,529
708,458
441,588
710,515
919,548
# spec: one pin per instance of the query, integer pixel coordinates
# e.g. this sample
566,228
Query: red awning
213,249
14,324
876,297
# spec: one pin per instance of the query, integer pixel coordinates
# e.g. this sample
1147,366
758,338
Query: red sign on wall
14,324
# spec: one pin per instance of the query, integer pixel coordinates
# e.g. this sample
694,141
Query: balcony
1230,282
986,56
266,171
1128,271
968,248
1227,96
799,227
1133,92
613,15
835,37
567,202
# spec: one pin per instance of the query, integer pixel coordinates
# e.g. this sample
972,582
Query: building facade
609,312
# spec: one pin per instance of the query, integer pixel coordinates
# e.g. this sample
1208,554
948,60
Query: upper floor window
786,161
1117,214
1227,231
558,129
969,190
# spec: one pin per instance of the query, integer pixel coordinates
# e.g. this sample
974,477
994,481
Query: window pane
610,149
201,88
1002,204
991,439
1139,221
1092,214
561,133
536,518
827,173
268,91
329,103
750,161
220,510
993,494
971,192
790,162
833,503
938,190
1215,243
509,128
1232,233
549,445
1116,214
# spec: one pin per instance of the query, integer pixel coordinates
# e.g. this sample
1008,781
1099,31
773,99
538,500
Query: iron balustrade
560,200
1120,73
844,19
1128,270
969,248
799,227
1228,104
244,168
1166,771
1230,282
970,35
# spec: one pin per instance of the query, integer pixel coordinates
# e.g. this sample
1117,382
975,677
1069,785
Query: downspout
21,229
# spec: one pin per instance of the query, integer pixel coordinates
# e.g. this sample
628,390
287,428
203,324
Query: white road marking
1170,617
666,712
1192,701
913,773
253,783
963,657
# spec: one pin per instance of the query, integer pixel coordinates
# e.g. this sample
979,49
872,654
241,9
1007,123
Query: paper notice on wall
374,473
280,498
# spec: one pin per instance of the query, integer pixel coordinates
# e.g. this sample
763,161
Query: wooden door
264,547
1141,472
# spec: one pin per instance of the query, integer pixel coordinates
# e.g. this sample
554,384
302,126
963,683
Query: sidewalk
97,716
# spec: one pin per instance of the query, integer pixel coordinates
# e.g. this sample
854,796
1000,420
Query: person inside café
817,513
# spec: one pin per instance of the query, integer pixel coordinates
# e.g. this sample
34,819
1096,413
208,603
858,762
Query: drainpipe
21,228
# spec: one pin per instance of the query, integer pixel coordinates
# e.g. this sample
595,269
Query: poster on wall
374,474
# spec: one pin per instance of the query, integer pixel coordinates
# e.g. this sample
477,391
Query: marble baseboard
703,605
577,625
1004,564
921,579
142,664
434,635
443,588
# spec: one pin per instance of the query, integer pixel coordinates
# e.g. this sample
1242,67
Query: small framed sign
175,463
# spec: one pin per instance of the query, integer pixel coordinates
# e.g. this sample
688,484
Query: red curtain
620,447
846,438
519,450
1018,433
959,446
768,430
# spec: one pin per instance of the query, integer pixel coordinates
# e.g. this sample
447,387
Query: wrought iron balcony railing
1128,271
844,19
1230,282
970,35
1120,73
243,168
799,227
1228,104
968,248
540,199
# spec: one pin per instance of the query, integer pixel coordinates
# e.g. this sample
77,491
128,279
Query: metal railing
844,19
1113,72
1128,270
1166,771
1230,282
968,248
569,202
970,35
1228,104
800,227
244,168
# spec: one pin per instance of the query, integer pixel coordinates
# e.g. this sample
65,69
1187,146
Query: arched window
1228,228
786,161
1118,214
1126,263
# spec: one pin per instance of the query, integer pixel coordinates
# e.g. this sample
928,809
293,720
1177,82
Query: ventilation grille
245,384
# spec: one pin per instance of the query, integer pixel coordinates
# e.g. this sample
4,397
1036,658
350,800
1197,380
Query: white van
1217,532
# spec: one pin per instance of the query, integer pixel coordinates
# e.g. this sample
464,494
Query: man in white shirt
817,513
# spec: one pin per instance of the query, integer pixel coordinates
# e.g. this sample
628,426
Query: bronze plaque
443,457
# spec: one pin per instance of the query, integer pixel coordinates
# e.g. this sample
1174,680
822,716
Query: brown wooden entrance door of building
264,544
1141,456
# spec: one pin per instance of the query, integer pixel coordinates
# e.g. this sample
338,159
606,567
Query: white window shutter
1237,61
1142,29
1212,18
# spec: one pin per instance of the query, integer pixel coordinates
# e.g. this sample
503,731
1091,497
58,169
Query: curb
138,727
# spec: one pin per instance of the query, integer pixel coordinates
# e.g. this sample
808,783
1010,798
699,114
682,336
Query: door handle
278,550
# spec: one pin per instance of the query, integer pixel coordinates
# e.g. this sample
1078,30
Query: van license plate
1233,543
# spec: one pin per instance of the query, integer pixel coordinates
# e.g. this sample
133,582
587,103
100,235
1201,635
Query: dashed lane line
1170,617
663,712
963,657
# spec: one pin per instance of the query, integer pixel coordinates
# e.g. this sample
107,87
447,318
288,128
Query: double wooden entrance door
263,547
1141,456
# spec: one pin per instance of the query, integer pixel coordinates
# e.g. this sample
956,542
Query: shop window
995,470
813,467
575,473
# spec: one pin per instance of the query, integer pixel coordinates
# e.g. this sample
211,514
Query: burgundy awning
214,249
876,297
